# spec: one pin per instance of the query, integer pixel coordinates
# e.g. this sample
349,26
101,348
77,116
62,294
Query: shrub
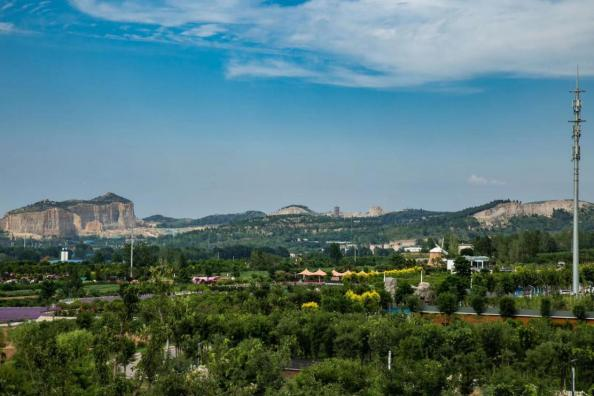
545,307
310,305
413,303
478,303
579,310
447,303
507,307
402,291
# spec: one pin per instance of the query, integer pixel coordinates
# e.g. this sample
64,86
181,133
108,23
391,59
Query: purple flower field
19,314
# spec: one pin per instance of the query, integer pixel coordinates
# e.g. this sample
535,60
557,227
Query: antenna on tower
576,155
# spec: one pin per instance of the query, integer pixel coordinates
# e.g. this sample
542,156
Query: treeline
526,246
238,342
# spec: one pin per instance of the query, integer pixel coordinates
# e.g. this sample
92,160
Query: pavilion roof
306,272
319,272
340,274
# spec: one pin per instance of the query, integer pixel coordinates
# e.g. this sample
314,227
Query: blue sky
198,107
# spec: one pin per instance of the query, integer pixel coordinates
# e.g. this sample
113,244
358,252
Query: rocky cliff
47,219
502,213
293,210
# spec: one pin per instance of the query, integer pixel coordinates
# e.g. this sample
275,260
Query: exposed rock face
293,210
46,219
502,213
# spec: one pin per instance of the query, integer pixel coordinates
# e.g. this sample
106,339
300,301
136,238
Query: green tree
463,271
507,307
579,311
447,303
403,290
334,253
413,303
545,307
47,290
478,302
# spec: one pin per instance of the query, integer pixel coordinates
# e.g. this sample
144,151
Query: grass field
101,289
18,293
249,275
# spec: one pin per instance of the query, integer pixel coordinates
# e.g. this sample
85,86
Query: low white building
477,263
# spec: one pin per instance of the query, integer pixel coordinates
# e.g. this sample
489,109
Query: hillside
217,219
292,210
501,214
307,232
46,219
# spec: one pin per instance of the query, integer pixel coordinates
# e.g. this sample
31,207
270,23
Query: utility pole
131,252
577,131
573,376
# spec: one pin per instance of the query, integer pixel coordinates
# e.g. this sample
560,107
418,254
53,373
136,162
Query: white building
477,263
64,255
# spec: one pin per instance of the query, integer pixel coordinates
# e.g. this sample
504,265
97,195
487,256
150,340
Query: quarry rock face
47,219
502,213
293,210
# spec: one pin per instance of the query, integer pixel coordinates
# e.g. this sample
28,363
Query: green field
101,289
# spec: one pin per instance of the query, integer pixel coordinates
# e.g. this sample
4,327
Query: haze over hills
111,215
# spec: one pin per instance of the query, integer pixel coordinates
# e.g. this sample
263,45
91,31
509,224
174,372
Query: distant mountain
111,215
298,228
217,219
70,218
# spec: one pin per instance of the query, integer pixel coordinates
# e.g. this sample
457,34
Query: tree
447,303
579,311
478,303
332,377
334,253
398,260
403,290
47,290
455,285
413,303
249,365
129,294
483,246
507,307
463,271
545,307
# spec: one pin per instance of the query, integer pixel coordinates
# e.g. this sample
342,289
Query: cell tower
577,132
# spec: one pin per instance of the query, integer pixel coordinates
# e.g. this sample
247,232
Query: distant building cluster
374,211
402,245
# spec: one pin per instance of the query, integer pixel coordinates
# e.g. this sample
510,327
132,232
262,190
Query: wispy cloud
378,43
268,68
207,30
6,27
6,6
475,180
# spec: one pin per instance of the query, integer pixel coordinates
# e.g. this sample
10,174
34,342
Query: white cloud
383,43
204,31
6,27
267,68
475,180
